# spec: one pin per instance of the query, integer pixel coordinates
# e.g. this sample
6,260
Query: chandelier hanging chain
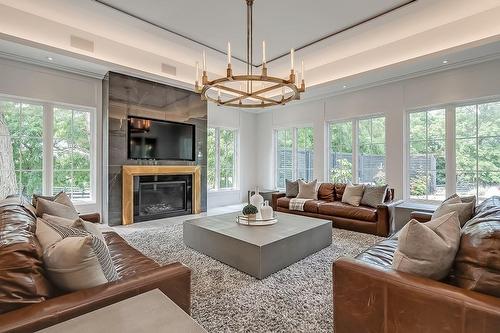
265,96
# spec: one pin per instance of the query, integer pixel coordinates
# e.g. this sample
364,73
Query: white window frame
450,144
355,144
295,167
236,168
47,142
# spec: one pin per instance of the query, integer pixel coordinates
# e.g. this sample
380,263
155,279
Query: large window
427,161
294,154
477,149
362,138
222,158
454,149
52,148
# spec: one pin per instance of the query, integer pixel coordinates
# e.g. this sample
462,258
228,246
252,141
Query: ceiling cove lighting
250,90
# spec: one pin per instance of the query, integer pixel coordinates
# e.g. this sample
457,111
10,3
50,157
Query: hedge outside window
222,158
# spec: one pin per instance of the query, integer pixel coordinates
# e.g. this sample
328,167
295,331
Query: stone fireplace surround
131,171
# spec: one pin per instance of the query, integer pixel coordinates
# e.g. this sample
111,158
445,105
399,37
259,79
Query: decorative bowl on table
243,219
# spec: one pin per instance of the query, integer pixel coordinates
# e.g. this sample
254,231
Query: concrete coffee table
258,250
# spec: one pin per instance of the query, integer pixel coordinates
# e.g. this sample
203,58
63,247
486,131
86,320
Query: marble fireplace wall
125,95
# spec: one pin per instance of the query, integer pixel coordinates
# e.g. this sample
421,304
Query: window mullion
48,151
217,158
295,170
355,143
450,150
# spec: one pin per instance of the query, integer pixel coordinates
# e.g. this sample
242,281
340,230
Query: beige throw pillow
464,208
308,190
73,257
374,196
61,207
353,194
428,249
78,223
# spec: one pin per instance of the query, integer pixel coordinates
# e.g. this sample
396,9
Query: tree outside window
222,158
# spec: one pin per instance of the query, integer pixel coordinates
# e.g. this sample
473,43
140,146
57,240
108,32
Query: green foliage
418,185
249,210
226,140
343,173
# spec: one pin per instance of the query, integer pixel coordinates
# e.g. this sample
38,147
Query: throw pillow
374,195
353,194
61,197
61,207
455,204
428,249
307,190
79,223
292,188
74,258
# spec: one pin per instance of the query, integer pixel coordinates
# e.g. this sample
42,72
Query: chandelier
250,90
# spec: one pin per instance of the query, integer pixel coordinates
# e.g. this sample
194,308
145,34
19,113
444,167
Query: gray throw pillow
428,249
308,190
353,194
292,188
61,207
374,196
454,203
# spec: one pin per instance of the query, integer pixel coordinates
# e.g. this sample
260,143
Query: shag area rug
295,299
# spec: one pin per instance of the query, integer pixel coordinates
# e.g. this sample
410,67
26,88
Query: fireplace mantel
130,171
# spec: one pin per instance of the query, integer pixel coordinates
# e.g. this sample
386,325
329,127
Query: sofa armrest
385,216
93,217
274,200
378,299
174,280
421,216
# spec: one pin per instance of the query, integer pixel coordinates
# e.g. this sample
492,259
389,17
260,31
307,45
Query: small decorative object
266,211
250,211
257,200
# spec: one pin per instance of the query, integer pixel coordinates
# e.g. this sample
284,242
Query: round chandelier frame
254,90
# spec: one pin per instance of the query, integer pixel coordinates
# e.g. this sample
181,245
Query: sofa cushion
380,254
374,195
61,207
326,192
312,206
283,202
308,190
22,276
292,188
428,249
339,191
341,209
455,204
127,260
353,194
477,263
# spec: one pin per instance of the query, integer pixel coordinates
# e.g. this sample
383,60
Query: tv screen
160,140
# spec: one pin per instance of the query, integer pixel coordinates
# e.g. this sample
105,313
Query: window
52,148
477,149
294,154
427,162
464,160
222,158
363,138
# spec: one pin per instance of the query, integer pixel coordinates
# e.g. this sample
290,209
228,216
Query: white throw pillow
73,257
308,190
428,249
353,194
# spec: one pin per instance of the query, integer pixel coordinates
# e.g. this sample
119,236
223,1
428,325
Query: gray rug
295,299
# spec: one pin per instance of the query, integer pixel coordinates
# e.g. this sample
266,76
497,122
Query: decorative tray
241,219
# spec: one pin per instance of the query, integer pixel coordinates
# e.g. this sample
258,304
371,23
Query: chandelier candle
262,90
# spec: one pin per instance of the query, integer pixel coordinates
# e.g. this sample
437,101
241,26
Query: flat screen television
153,139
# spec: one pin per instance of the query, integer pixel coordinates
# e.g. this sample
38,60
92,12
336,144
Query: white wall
246,124
468,83
42,84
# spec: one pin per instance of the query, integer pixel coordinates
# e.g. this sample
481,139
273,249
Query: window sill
224,190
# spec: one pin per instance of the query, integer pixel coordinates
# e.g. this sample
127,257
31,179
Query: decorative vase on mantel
257,200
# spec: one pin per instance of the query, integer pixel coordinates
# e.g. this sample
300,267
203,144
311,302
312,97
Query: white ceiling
283,24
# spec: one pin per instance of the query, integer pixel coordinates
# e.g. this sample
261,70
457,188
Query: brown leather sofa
365,219
29,302
369,296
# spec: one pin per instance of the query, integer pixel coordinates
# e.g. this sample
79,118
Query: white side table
152,311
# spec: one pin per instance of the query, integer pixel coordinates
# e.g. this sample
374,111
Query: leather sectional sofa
365,219
29,302
369,296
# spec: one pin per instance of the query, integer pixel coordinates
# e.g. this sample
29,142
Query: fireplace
157,191
160,196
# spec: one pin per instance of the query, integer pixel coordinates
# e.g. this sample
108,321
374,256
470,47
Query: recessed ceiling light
344,86
445,61
50,58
